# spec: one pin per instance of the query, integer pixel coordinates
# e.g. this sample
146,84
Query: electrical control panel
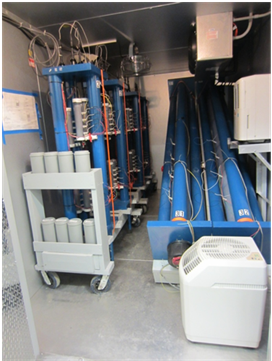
252,108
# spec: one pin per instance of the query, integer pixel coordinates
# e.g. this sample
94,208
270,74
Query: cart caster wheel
54,278
136,222
144,208
95,284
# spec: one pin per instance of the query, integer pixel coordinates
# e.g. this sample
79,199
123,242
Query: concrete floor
136,320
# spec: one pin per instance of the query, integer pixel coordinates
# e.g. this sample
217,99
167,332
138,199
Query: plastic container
82,161
89,231
66,162
62,229
75,230
48,229
51,162
37,162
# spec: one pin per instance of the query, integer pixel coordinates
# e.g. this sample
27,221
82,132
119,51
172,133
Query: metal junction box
214,36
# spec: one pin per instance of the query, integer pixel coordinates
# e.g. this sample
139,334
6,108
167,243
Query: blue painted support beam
216,207
240,203
179,203
165,205
98,145
120,139
146,144
138,142
196,184
61,136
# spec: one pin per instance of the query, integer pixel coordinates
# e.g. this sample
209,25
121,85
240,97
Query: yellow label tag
29,53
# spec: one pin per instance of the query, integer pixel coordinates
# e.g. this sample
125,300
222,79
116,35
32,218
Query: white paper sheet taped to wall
19,112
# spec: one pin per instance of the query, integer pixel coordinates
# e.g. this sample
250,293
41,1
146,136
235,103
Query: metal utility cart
53,257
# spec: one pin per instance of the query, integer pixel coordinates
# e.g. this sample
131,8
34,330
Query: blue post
121,142
138,142
240,204
165,205
197,193
61,136
98,145
145,133
179,205
58,113
216,207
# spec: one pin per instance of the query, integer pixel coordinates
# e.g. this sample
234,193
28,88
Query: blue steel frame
161,233
91,75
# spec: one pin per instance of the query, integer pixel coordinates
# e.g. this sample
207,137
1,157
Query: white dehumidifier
223,286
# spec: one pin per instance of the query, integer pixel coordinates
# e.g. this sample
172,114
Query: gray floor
136,320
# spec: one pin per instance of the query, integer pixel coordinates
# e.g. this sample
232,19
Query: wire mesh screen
16,342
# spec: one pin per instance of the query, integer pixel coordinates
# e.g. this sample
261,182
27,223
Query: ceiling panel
160,30
44,14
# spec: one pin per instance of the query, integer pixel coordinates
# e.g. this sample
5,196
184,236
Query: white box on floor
223,286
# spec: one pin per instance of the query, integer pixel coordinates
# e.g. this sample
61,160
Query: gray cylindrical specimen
62,229
48,229
51,162
66,162
132,164
114,171
84,114
77,105
37,162
86,199
75,230
89,231
70,126
82,161
77,200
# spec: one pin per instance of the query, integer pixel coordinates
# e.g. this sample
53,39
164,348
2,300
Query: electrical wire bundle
43,39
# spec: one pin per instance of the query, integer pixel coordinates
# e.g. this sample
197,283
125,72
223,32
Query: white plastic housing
223,286
252,108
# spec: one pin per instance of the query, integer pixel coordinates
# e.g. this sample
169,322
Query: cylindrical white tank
51,162
66,162
77,105
48,229
82,161
62,229
37,162
89,231
75,230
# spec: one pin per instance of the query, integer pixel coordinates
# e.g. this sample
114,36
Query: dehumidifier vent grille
190,261
224,248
